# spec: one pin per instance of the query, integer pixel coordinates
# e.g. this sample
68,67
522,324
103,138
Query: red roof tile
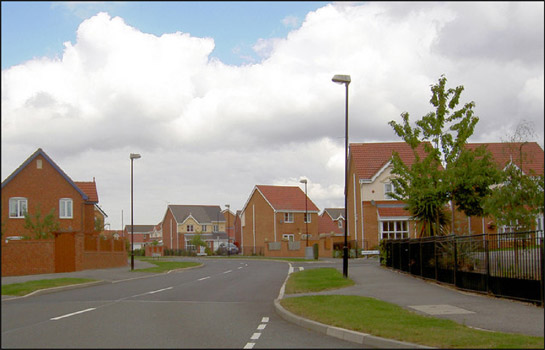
369,158
506,152
286,198
89,188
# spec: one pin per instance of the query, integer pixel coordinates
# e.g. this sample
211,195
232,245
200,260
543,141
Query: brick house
142,235
275,214
182,222
373,215
230,222
332,221
39,184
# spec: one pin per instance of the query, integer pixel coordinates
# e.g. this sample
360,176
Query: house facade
142,235
374,215
332,220
275,214
39,184
182,222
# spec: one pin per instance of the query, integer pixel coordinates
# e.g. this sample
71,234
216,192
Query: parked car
222,250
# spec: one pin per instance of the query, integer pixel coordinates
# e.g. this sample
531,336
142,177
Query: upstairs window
288,217
388,189
340,223
189,228
203,228
66,208
216,228
307,217
18,207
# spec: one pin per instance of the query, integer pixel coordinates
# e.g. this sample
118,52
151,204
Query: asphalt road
225,304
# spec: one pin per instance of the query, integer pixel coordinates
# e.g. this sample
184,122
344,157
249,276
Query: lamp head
135,156
303,181
341,79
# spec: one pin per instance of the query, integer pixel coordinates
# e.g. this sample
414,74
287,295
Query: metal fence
504,264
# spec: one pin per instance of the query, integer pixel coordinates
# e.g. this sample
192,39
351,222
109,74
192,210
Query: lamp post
227,230
345,79
133,156
304,181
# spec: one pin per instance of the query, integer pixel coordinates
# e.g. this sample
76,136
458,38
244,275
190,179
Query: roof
287,198
89,188
40,152
140,228
203,214
334,213
371,158
327,225
511,152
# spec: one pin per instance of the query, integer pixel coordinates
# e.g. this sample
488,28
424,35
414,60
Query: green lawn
164,266
379,318
25,288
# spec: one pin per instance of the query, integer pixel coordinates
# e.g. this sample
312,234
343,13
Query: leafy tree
519,199
448,171
42,228
197,241
99,224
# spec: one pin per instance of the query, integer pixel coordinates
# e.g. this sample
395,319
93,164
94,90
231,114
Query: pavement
371,280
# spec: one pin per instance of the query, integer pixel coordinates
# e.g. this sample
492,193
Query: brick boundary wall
28,257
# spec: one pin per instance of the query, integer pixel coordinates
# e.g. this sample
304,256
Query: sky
219,97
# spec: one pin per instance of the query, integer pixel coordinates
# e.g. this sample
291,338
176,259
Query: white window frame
288,218
307,216
340,223
189,246
388,188
216,228
203,228
190,228
18,207
66,208
290,237
396,229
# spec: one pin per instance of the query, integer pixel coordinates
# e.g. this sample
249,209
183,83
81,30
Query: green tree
519,199
197,241
41,228
448,171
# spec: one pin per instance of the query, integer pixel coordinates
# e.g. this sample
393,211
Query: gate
65,252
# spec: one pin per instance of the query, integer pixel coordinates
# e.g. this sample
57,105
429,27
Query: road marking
204,278
160,290
301,268
239,267
261,327
72,314
255,336
265,319
228,271
290,270
249,346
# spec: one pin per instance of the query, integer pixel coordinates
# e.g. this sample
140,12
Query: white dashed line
160,290
204,278
239,267
265,319
249,346
261,327
72,314
255,336
228,271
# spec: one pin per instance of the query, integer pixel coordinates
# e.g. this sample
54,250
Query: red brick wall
325,248
154,249
259,209
170,227
28,257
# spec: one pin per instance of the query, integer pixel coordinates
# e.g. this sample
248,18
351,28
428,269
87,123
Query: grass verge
164,266
25,288
316,280
379,318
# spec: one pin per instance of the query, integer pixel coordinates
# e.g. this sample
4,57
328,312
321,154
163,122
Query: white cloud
209,132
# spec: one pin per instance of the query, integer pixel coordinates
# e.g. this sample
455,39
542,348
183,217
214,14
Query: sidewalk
432,299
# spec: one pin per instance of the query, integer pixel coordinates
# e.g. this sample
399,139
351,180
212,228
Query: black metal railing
504,264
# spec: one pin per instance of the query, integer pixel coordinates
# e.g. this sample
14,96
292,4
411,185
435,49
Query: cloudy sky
218,97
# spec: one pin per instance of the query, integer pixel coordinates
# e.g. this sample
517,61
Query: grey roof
204,214
335,213
140,228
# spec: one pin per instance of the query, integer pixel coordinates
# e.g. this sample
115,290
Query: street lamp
133,156
345,79
304,181
227,230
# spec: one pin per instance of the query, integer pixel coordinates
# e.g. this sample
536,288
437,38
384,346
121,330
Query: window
340,223
189,246
216,228
17,207
203,228
189,228
388,188
65,208
288,237
288,217
394,230
307,217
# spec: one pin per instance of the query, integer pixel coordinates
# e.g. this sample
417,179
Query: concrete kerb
341,333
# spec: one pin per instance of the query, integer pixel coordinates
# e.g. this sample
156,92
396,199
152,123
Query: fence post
455,260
